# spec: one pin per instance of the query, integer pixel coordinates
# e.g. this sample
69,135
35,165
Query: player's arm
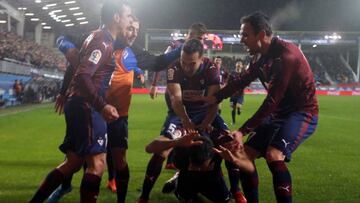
279,82
71,53
153,88
175,94
163,143
212,108
152,62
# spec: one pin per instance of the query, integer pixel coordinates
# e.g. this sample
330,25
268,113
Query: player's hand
153,92
109,113
142,79
236,144
225,153
207,99
239,158
188,124
59,103
188,139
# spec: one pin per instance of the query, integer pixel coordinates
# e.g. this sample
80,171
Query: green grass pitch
326,168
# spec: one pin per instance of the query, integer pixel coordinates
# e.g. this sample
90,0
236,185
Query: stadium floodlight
37,1
34,19
78,14
61,16
82,18
56,11
45,8
84,22
43,23
70,2
29,14
315,45
50,5
69,25
74,8
47,27
66,21
3,21
22,8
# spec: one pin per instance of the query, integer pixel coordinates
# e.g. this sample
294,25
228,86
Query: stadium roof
296,15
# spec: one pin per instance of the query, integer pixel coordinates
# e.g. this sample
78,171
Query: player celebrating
289,112
192,75
86,109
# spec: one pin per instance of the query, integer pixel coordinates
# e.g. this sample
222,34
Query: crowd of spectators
15,47
327,68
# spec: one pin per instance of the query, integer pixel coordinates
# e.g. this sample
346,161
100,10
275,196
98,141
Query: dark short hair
201,153
198,29
259,21
135,19
192,46
218,57
110,8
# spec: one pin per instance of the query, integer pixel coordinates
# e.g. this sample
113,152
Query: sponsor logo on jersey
187,94
95,56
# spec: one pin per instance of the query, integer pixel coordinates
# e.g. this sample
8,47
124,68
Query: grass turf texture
324,169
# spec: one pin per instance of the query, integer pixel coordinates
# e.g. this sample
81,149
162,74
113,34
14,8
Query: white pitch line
22,110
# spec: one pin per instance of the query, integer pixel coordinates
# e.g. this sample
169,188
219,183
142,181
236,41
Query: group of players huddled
96,95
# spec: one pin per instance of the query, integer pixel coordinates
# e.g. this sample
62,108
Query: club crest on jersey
170,73
100,141
95,56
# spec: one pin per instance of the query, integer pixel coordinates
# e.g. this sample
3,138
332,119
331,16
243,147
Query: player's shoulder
208,64
101,38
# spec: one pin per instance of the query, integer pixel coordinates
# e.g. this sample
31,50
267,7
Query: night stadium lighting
78,14
29,14
70,2
34,19
22,9
56,11
45,8
334,36
74,8
50,5
315,45
37,1
43,23
66,21
61,16
84,22
82,18
47,27
3,21
68,25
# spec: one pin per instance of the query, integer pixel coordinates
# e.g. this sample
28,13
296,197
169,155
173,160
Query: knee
97,166
273,154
